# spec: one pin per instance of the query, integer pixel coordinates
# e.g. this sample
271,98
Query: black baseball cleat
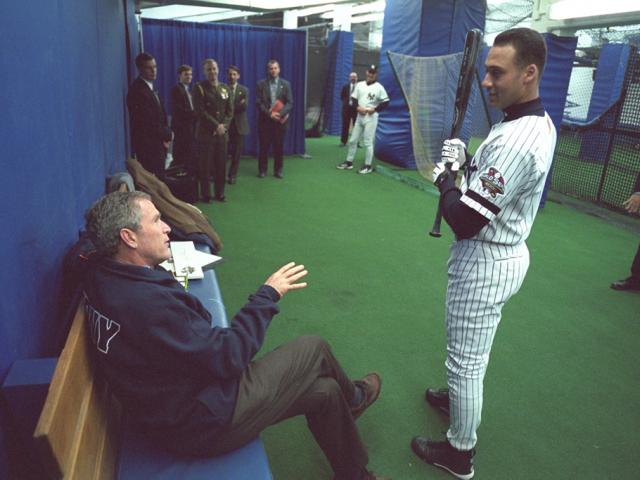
441,454
629,283
438,399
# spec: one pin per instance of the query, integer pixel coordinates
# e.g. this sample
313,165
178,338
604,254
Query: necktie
189,97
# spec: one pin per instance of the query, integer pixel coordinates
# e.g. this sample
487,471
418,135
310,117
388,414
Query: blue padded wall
555,82
340,58
419,28
64,68
612,66
250,48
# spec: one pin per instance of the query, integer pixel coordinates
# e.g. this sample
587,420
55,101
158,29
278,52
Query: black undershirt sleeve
382,106
463,220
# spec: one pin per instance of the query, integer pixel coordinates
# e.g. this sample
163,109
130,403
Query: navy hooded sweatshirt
156,348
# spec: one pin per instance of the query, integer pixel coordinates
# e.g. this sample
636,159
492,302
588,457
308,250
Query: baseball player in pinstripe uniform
491,215
370,98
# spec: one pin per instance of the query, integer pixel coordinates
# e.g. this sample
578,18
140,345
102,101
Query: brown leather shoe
371,384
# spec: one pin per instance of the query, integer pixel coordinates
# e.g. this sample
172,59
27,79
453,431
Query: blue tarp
340,59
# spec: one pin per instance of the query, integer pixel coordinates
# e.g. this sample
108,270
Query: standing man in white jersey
369,97
491,215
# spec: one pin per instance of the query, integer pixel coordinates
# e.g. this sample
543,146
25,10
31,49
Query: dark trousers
348,119
152,162
301,377
270,134
635,266
236,142
184,150
212,162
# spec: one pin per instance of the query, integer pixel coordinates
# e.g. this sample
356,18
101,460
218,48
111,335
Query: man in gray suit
274,101
239,124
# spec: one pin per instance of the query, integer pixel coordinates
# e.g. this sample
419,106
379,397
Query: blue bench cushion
140,460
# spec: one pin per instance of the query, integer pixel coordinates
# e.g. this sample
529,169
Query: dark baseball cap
372,69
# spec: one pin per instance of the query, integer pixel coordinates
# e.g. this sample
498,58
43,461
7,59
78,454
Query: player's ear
531,73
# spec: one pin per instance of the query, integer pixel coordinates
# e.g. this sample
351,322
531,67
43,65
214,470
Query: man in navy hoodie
195,389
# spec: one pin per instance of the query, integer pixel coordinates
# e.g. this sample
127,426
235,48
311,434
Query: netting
429,87
598,158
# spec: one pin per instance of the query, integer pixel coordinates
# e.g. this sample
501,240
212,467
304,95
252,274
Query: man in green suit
214,111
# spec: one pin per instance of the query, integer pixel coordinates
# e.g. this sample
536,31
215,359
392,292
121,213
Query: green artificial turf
562,392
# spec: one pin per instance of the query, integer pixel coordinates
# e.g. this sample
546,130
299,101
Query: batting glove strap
444,169
446,182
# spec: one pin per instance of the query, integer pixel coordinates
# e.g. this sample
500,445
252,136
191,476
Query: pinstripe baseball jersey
506,177
369,96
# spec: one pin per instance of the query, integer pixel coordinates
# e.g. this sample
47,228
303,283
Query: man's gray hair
109,215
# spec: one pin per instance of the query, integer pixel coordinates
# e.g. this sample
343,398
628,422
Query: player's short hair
271,62
529,45
184,68
143,58
233,68
207,61
109,215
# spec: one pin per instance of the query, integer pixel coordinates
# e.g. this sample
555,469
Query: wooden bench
81,433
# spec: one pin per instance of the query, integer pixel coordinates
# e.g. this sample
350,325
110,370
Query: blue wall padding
557,73
607,87
555,82
612,66
63,132
419,28
340,59
174,43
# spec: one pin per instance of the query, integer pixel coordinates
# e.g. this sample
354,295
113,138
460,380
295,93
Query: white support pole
342,17
290,19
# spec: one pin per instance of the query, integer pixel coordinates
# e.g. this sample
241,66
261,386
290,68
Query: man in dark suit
183,120
349,111
150,132
275,101
239,127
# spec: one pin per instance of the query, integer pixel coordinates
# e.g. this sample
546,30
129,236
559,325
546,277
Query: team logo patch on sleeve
492,183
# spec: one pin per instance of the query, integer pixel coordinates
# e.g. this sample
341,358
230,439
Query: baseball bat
463,91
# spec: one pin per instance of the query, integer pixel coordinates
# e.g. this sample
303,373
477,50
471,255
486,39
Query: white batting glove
452,157
453,151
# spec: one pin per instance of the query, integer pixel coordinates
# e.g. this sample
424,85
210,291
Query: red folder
276,108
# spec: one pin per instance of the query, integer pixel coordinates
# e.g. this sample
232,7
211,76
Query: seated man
193,389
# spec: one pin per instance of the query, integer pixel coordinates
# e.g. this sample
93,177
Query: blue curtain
175,43
340,57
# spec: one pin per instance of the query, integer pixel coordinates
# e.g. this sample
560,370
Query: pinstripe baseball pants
482,277
366,127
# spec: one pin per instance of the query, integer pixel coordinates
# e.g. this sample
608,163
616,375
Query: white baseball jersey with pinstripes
504,183
368,96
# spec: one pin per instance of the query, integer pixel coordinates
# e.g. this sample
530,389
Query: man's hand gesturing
286,277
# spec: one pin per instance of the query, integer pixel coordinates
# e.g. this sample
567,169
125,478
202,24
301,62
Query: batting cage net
428,85
598,151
